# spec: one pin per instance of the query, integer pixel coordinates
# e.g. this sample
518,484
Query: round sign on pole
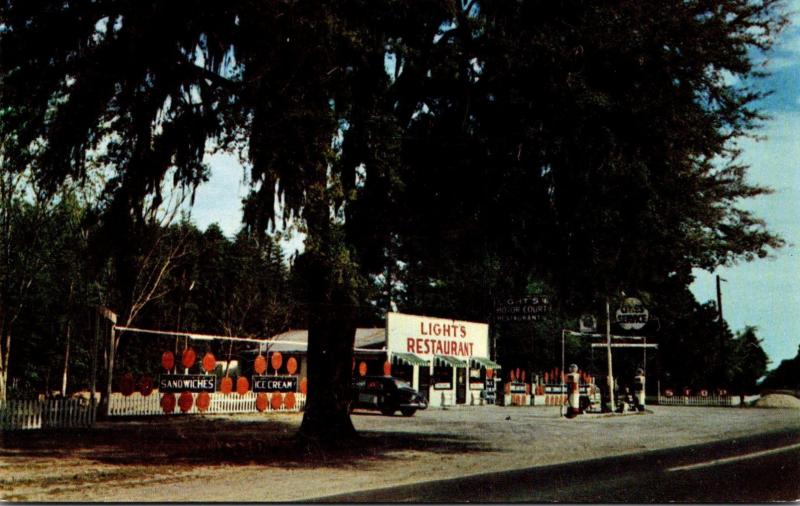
202,402
126,384
167,360
188,358
185,402
145,385
632,315
168,403
242,385
226,385
260,365
289,400
291,365
209,362
261,402
277,360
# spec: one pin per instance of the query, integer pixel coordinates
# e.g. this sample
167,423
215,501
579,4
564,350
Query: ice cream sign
426,337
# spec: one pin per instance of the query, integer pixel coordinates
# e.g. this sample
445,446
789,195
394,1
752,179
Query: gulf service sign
426,337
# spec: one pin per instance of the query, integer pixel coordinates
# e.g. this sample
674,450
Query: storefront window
404,372
476,379
442,378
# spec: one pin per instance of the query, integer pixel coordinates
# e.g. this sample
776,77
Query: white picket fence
46,414
138,405
697,400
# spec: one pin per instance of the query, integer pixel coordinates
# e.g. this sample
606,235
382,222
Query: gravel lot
254,457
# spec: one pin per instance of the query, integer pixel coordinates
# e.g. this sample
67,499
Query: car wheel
387,411
408,411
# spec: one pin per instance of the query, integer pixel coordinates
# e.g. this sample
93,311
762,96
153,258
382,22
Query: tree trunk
332,305
5,353
65,375
331,334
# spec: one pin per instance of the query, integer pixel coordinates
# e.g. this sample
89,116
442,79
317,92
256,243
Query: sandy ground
255,458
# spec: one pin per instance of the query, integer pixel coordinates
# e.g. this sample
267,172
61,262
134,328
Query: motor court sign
632,315
524,309
426,337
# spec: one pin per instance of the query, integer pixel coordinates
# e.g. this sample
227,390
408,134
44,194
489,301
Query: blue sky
763,293
766,293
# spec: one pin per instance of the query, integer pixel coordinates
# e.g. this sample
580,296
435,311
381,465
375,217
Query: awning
409,359
483,363
448,361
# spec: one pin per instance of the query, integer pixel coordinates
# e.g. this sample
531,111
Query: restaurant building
445,360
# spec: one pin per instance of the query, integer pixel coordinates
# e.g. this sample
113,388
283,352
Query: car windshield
402,384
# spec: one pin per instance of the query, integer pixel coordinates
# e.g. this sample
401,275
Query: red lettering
437,329
419,344
422,328
410,345
446,330
463,331
470,349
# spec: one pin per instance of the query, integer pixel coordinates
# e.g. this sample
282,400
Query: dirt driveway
254,457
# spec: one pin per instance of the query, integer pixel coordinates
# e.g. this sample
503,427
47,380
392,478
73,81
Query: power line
212,337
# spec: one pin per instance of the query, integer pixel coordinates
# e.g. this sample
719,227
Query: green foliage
749,360
786,375
586,146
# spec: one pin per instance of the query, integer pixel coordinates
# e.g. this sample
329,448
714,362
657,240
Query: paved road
751,469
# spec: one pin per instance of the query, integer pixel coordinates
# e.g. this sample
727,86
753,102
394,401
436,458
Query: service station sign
632,315
426,337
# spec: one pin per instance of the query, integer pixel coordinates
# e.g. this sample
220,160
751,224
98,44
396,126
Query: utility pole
112,318
721,344
610,378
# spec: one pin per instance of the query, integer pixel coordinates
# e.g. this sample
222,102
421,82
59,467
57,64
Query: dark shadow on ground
198,440
631,478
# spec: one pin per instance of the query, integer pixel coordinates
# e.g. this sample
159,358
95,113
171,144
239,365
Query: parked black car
386,394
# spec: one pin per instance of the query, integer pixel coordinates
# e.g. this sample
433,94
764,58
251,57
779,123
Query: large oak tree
563,140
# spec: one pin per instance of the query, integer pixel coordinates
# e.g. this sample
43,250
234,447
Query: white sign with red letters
425,336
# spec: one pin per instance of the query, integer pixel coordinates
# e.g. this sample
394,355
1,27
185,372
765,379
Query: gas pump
638,389
573,392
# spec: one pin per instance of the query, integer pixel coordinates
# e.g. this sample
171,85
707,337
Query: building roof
297,340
